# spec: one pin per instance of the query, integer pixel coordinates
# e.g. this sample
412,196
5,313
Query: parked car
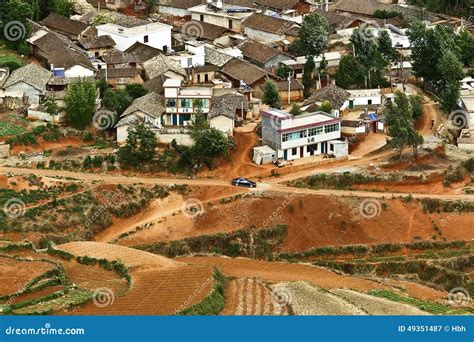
244,182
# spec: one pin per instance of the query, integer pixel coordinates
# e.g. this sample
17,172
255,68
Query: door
285,154
301,151
324,147
175,120
351,104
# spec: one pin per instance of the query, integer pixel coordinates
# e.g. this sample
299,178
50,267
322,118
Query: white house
193,56
221,14
126,34
30,80
305,135
180,102
363,98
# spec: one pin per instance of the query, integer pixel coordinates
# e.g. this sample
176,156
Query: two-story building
305,135
180,102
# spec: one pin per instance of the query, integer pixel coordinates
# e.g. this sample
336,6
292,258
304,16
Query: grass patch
428,306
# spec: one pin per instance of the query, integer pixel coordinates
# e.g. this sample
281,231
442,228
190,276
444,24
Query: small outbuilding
264,155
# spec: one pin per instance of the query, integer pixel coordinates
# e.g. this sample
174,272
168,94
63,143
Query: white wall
79,71
32,93
223,124
156,38
261,36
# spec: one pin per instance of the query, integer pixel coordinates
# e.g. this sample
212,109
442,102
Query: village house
262,55
296,66
204,74
70,28
266,29
31,81
285,7
96,46
161,65
61,55
205,31
177,8
226,110
180,102
243,74
294,88
305,135
222,14
120,77
110,4
335,95
145,110
131,30
193,55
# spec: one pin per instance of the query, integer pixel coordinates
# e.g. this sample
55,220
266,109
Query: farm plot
159,285
377,306
250,296
307,299
16,274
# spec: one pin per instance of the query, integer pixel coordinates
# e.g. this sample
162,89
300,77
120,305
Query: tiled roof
332,93
151,104
117,73
295,85
61,51
207,31
182,4
32,74
215,57
240,70
258,52
94,42
278,4
268,24
227,105
64,24
143,52
161,64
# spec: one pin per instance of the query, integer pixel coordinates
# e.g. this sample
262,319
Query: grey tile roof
240,70
332,93
32,74
64,24
216,57
262,22
161,64
227,105
151,104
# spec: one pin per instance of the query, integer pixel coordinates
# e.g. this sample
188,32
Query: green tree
271,95
199,120
416,102
116,100
51,106
451,72
349,74
209,145
465,42
295,109
15,26
283,71
401,129
313,36
80,103
136,90
326,107
60,7
140,147
428,47
11,62
308,81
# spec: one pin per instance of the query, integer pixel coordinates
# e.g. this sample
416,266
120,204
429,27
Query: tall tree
399,118
80,103
14,25
308,70
271,96
465,42
451,72
313,36
349,74
140,147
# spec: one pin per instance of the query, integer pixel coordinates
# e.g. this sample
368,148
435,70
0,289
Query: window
369,102
294,136
294,151
331,147
315,131
145,39
201,17
171,103
185,103
97,54
205,103
231,24
199,78
331,128
206,78
190,62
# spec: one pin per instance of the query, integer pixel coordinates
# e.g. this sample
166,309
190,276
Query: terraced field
250,296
